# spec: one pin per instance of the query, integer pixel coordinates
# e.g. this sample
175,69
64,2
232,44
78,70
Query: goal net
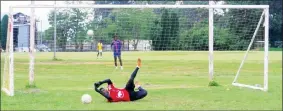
222,35
245,31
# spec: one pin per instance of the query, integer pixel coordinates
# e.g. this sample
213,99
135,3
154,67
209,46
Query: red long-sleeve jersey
118,94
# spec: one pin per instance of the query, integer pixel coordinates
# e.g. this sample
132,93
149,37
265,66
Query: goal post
8,74
266,46
210,42
265,24
210,37
32,46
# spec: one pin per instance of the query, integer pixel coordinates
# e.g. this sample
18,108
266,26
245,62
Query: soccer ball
86,99
90,32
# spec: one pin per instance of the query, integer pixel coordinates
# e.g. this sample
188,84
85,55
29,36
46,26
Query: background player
116,46
113,94
99,48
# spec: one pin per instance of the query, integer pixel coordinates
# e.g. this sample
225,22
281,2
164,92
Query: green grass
174,80
272,49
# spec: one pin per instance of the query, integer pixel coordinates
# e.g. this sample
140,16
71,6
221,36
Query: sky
40,13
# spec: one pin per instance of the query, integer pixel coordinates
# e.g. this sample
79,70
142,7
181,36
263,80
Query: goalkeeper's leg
141,93
130,86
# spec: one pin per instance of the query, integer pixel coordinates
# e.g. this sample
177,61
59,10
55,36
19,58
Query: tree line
168,29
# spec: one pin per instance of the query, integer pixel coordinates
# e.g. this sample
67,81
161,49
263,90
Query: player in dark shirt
128,93
116,46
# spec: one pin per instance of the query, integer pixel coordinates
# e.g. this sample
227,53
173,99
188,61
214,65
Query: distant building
142,45
21,30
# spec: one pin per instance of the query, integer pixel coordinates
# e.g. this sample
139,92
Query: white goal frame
209,7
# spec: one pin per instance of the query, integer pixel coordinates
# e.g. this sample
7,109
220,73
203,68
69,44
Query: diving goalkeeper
113,94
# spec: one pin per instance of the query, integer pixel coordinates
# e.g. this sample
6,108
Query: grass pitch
174,80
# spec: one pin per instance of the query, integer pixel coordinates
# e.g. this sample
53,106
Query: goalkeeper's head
105,91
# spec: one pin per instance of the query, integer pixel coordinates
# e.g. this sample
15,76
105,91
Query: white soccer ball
86,99
90,32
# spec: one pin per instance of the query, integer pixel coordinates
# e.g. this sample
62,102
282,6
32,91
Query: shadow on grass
213,83
30,86
56,59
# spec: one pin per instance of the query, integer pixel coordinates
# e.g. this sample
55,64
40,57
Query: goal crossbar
141,6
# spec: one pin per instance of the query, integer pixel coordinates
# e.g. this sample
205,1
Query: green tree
71,26
168,39
78,26
48,35
62,27
4,28
155,35
275,11
129,24
165,33
174,31
196,38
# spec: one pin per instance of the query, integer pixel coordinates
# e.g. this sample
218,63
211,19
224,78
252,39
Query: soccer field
174,80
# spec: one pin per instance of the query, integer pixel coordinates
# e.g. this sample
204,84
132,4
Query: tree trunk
76,45
81,45
63,44
136,36
91,46
128,44
135,44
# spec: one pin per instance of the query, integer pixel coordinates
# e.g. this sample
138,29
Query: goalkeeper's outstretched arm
102,91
